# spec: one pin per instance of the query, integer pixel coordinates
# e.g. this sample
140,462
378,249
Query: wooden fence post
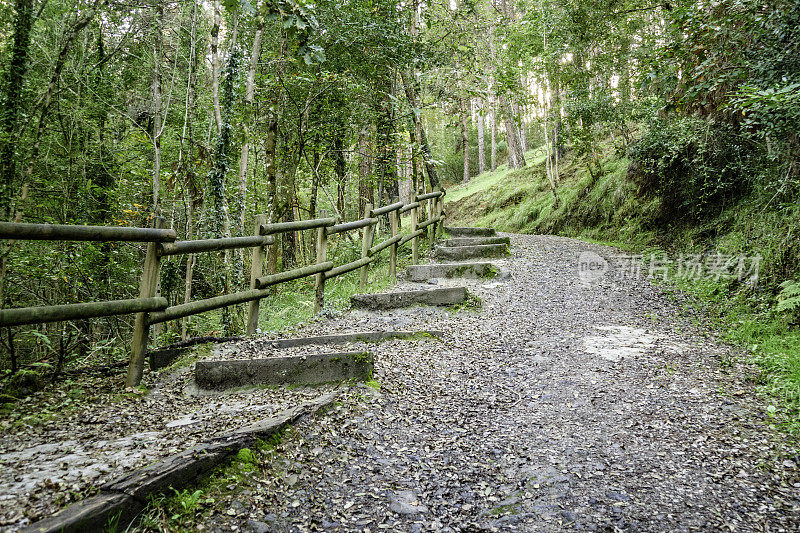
394,224
365,245
147,289
439,213
414,241
256,269
432,227
322,256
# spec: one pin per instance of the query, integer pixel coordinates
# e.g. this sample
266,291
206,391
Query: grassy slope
608,210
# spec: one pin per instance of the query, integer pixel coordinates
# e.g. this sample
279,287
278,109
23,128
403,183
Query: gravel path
554,407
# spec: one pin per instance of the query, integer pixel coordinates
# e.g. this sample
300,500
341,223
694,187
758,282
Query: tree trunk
519,119
465,138
158,47
494,134
366,186
215,65
386,170
244,157
516,158
411,91
340,170
312,202
270,154
12,99
481,141
192,193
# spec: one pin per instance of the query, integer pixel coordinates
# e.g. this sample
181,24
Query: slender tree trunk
410,86
481,140
366,186
516,158
386,155
340,170
11,104
465,138
158,51
494,134
312,201
270,156
192,195
415,153
520,121
244,157
215,65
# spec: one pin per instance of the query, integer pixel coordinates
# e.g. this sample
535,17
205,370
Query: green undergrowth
608,208
293,303
183,510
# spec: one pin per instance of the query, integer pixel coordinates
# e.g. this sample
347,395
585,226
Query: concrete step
361,336
475,241
471,232
394,300
460,253
474,270
293,370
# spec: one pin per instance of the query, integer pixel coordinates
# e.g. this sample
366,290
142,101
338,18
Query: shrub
693,165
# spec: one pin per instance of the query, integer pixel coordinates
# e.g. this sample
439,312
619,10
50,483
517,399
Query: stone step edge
124,498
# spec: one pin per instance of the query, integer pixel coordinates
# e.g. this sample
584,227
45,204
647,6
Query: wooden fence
151,309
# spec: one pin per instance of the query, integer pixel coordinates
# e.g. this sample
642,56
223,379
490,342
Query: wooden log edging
124,498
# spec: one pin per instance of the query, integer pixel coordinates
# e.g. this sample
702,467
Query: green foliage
692,165
185,502
789,299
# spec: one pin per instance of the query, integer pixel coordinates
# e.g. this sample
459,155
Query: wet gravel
554,407
99,435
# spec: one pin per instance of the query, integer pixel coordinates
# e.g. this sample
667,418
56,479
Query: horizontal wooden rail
211,245
151,309
385,244
56,313
59,232
428,196
281,227
349,226
347,267
427,223
386,209
418,233
289,275
209,304
408,207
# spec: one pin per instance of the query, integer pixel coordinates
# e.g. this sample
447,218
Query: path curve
555,407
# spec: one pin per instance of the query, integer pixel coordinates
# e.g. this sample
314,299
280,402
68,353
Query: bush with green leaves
789,300
695,166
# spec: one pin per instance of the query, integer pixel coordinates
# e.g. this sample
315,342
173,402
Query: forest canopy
113,112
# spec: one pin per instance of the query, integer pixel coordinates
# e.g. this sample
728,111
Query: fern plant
789,299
